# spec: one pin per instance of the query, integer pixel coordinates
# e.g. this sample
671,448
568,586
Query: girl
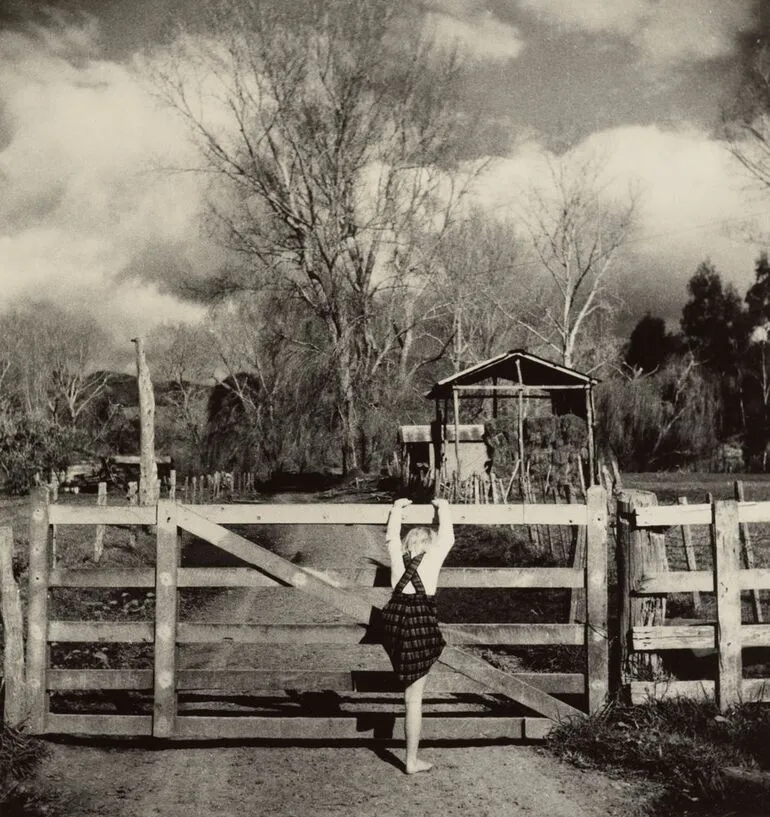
411,633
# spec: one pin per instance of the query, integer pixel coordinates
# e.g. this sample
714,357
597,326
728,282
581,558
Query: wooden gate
466,698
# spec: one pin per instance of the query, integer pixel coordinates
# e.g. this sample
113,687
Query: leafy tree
650,345
712,320
663,420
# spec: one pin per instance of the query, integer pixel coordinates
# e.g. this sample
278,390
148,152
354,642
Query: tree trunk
347,410
148,469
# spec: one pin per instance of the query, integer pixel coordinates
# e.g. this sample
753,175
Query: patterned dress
410,631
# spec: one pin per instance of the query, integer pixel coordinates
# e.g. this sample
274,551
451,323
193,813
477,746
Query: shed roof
536,372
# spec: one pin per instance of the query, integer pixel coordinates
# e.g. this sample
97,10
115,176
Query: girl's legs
413,726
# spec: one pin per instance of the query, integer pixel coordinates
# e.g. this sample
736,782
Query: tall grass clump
20,755
685,745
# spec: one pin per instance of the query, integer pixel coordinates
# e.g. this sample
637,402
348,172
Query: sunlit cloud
82,165
476,32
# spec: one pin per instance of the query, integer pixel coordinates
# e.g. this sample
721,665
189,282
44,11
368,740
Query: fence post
596,635
167,561
577,599
172,485
689,555
37,612
13,632
101,501
727,565
638,551
748,553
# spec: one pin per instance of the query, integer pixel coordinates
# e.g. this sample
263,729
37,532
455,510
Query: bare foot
416,766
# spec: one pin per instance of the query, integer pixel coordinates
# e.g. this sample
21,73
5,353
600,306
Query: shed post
438,450
592,478
456,408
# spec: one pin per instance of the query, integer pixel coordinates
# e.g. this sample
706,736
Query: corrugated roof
535,371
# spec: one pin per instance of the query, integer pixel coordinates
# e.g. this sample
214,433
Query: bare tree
576,231
483,279
334,125
52,358
186,357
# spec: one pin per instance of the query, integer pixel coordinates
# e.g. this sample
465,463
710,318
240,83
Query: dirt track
123,780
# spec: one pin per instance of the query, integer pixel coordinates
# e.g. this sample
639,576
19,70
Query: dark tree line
685,397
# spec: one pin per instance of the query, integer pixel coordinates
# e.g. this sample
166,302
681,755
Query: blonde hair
418,540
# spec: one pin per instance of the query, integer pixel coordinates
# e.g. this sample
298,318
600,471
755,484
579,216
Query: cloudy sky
91,216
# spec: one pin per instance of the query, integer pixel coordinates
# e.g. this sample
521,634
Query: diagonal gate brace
363,612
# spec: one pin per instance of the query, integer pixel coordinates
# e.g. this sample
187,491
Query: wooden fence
532,701
716,637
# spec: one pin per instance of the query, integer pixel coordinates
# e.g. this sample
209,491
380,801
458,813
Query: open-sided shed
518,376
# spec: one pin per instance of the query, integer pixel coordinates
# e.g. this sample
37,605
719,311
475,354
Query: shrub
684,745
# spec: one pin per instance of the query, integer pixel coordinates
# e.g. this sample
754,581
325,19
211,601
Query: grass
681,745
20,756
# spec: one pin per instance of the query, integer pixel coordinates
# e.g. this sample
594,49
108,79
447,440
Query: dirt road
240,780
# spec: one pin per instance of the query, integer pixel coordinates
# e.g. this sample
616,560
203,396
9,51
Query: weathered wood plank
167,561
695,637
101,501
37,612
683,581
666,516
101,631
700,637
486,634
727,565
108,725
345,680
748,552
596,632
62,514
473,577
689,555
370,514
96,679
383,727
639,552
233,681
102,577
517,689
15,706
227,577
752,689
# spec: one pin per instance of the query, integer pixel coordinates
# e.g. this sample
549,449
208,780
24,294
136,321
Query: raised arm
393,531
446,531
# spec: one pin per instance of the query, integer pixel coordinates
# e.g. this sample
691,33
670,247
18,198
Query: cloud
84,192
694,202
665,32
475,30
